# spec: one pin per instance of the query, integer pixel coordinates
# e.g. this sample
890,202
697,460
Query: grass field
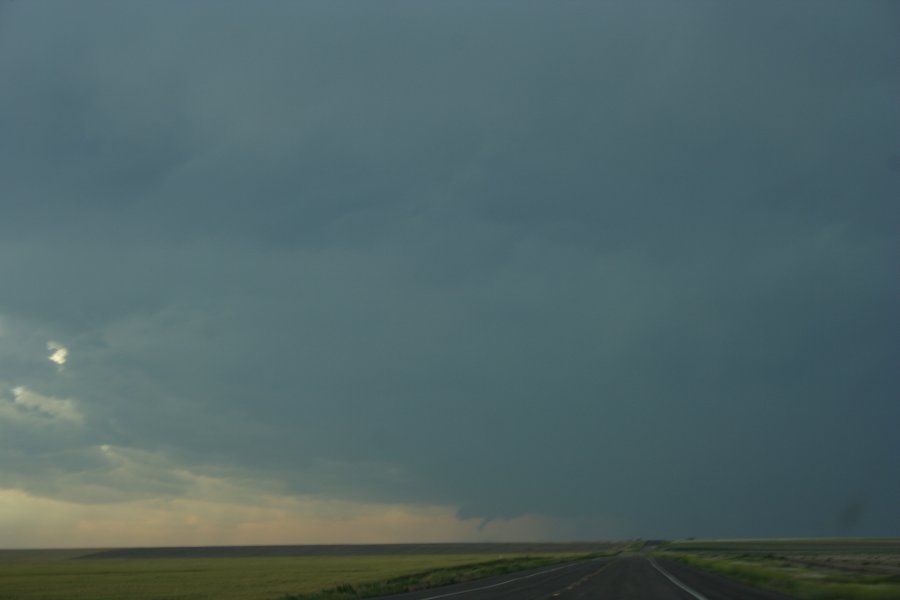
30,575
826,569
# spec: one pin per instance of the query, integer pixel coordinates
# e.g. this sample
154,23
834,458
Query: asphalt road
631,577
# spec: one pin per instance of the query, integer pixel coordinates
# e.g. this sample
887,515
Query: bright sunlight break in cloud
58,353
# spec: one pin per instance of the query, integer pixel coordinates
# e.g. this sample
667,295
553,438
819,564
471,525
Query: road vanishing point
626,577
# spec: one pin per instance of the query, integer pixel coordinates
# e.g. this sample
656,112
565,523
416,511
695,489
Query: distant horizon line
463,543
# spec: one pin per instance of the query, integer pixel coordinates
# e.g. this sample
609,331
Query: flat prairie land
45,555
251,574
815,569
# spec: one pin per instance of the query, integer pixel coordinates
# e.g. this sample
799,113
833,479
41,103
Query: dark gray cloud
627,262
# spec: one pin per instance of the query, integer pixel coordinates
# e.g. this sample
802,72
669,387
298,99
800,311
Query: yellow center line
583,579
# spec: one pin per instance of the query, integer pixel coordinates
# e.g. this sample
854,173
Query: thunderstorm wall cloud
409,271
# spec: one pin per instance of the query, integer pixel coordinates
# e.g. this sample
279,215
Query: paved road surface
632,577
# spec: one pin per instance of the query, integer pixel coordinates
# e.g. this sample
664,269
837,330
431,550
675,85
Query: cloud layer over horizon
504,269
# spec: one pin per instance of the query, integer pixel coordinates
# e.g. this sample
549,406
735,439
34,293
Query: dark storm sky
632,264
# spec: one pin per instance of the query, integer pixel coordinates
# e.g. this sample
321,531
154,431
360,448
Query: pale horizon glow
170,505
33,522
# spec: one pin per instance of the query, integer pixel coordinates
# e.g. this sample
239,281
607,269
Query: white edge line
696,595
493,585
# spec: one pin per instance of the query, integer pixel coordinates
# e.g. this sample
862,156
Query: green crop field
32,575
809,569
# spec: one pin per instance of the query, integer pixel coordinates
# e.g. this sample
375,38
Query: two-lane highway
629,577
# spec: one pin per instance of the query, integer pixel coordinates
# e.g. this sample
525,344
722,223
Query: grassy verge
780,575
437,577
787,546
